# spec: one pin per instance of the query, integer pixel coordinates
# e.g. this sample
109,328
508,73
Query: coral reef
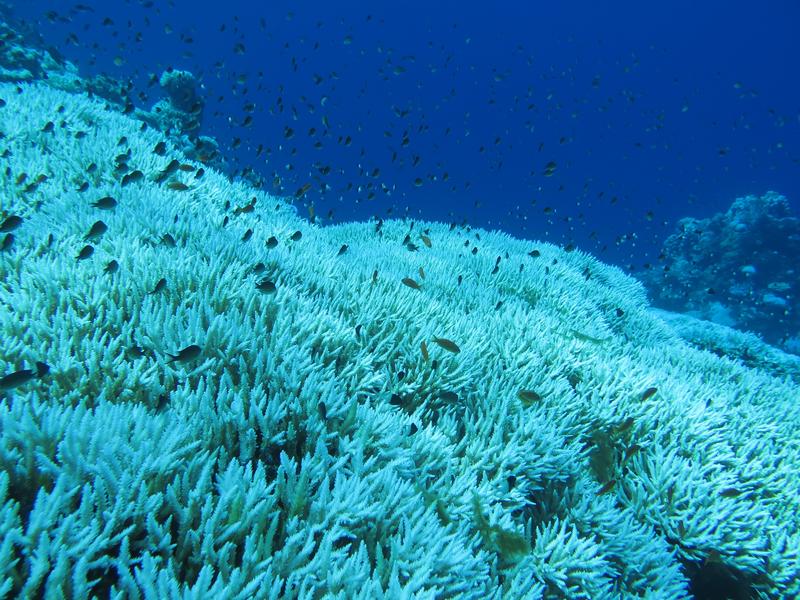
206,396
24,57
736,268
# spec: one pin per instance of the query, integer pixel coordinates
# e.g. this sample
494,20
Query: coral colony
205,395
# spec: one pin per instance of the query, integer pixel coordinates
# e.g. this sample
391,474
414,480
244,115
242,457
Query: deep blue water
650,113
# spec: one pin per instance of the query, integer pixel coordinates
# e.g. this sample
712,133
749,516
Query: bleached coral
573,446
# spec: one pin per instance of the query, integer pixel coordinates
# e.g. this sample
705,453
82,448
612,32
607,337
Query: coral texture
241,404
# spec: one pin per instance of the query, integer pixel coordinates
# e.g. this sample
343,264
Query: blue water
649,113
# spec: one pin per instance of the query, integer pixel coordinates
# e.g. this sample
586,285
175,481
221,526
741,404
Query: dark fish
631,450
342,250
247,208
48,127
302,191
648,393
105,203
272,242
528,397
160,149
423,348
296,236
730,493
410,283
96,231
85,252
187,354
10,223
421,273
8,241
625,425
448,396
177,186
132,177
168,240
160,285
83,187
135,352
448,345
247,235
112,267
607,486
426,240
168,170
619,312
266,286
22,376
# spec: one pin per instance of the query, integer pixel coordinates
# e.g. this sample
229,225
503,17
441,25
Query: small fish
528,397
272,242
423,348
648,393
247,235
631,450
177,186
302,191
160,148
10,223
247,208
375,276
410,283
342,250
168,170
421,273
448,396
48,127
448,345
296,236
730,493
83,187
625,425
135,352
85,252
588,338
105,203
8,241
607,487
132,177
186,354
265,286
96,231
426,240
160,285
168,241
17,378
112,267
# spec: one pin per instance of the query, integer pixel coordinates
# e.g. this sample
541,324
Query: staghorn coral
312,449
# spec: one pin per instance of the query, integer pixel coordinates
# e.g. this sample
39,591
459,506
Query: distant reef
203,395
737,268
